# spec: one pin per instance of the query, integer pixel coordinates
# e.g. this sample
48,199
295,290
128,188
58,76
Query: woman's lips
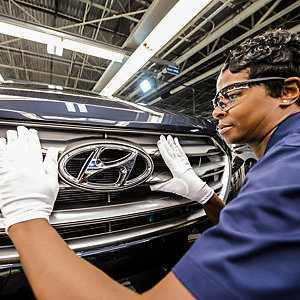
223,128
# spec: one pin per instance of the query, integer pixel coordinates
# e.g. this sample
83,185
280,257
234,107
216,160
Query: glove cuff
209,194
204,194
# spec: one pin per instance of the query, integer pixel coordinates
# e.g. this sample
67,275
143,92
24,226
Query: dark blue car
105,209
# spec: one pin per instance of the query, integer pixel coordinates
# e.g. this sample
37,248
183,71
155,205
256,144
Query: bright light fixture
56,44
28,34
145,85
55,87
92,50
178,17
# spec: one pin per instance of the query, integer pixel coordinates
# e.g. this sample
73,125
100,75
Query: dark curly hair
274,53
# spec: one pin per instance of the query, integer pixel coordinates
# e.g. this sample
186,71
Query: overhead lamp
56,43
55,87
28,34
92,50
145,85
177,18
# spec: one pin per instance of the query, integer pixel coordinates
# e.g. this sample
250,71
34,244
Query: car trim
9,254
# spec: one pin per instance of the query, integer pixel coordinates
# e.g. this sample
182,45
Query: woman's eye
232,97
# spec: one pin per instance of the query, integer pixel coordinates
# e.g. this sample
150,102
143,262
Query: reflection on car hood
55,106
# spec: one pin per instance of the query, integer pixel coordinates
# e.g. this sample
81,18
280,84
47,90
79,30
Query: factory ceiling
198,50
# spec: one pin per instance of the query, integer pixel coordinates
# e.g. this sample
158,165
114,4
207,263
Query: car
243,159
108,159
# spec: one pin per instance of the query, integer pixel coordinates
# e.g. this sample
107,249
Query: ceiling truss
199,50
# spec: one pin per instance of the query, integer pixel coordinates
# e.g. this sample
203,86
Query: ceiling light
177,18
28,34
145,85
57,41
92,50
55,87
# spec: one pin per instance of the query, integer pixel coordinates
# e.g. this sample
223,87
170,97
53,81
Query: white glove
28,186
185,181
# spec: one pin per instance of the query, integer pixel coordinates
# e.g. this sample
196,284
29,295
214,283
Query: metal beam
269,11
145,3
50,57
24,10
86,11
104,19
57,32
11,62
183,39
80,31
62,15
24,65
150,19
235,20
295,29
198,78
45,73
203,12
218,10
235,41
223,29
61,34
216,69
108,9
95,34
186,84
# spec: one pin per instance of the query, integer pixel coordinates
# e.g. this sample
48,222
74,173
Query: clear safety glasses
234,91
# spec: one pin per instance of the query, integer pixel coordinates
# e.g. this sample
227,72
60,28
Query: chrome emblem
107,165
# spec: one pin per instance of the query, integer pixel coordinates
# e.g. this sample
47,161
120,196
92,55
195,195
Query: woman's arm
55,272
213,208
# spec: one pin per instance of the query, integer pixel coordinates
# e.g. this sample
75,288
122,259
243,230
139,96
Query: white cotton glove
185,181
28,186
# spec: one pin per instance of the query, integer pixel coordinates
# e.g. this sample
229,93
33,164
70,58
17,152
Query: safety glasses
234,91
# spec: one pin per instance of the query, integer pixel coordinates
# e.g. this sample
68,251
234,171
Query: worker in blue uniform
253,250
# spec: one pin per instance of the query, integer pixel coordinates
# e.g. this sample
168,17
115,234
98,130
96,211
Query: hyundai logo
106,166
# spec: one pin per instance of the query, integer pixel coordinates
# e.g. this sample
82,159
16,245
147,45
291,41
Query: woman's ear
290,91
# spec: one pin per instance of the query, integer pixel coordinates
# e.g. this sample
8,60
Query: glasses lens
214,102
233,91
229,94
218,102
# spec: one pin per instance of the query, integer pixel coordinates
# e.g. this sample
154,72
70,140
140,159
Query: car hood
61,107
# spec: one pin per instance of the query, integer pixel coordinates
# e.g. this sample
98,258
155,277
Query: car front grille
90,220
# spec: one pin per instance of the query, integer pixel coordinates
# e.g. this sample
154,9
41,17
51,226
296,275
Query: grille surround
89,207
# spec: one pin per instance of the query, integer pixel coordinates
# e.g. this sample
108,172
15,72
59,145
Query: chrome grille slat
216,185
213,173
200,150
9,254
66,194
112,212
206,167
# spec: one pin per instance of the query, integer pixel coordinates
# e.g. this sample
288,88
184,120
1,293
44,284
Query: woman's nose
218,113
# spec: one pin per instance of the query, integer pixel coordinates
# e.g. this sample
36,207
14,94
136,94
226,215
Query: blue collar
284,128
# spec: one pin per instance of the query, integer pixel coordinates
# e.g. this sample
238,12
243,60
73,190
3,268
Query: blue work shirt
254,251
